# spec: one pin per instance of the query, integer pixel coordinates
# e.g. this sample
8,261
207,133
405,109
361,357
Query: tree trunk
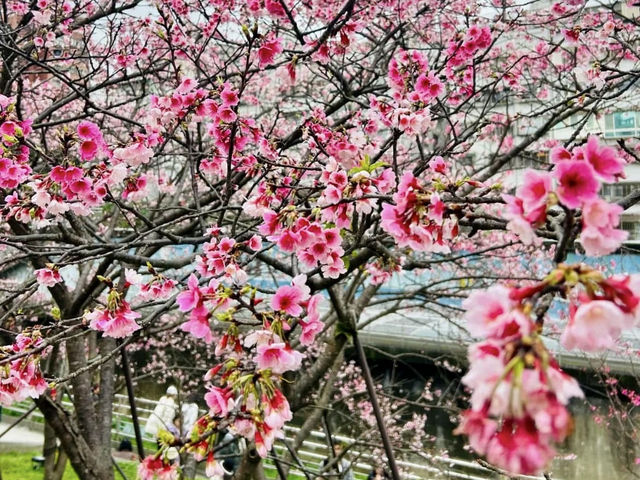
93,409
81,455
251,466
55,459
104,409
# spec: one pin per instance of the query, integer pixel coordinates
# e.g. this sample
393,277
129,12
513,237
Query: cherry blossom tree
267,177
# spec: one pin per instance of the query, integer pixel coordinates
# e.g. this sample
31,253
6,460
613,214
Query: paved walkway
19,438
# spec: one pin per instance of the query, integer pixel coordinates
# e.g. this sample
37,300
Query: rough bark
75,444
104,410
81,455
251,466
83,400
55,459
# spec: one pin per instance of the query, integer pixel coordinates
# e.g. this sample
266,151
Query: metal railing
312,453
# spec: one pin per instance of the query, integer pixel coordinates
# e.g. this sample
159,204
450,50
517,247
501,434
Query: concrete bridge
423,332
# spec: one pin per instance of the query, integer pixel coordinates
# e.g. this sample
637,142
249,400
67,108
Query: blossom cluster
115,319
190,104
577,175
413,88
519,393
21,377
313,243
419,219
158,467
353,190
244,389
78,184
14,153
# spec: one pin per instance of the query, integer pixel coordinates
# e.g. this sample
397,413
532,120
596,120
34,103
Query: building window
633,228
617,191
621,124
531,160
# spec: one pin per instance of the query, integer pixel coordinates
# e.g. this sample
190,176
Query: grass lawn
18,466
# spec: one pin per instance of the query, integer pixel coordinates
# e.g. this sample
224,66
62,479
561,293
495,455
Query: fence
314,449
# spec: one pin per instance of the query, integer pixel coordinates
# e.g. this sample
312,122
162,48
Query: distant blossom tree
250,175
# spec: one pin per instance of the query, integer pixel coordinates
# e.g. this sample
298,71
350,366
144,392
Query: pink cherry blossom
560,154
479,428
277,412
268,51
198,324
287,299
487,310
595,326
117,323
188,299
255,243
576,183
156,468
48,276
534,190
277,357
604,160
219,401
89,131
519,447
213,468
599,233
311,324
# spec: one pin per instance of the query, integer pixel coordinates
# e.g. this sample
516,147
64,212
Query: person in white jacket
188,416
164,414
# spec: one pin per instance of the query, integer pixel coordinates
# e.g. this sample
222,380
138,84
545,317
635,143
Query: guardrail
314,449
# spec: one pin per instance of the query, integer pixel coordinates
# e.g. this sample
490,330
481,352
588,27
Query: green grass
18,466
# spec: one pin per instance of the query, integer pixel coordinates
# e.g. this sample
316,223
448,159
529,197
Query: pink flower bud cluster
419,218
602,311
519,393
116,319
158,467
577,175
48,276
244,388
21,378
14,153
356,190
202,446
